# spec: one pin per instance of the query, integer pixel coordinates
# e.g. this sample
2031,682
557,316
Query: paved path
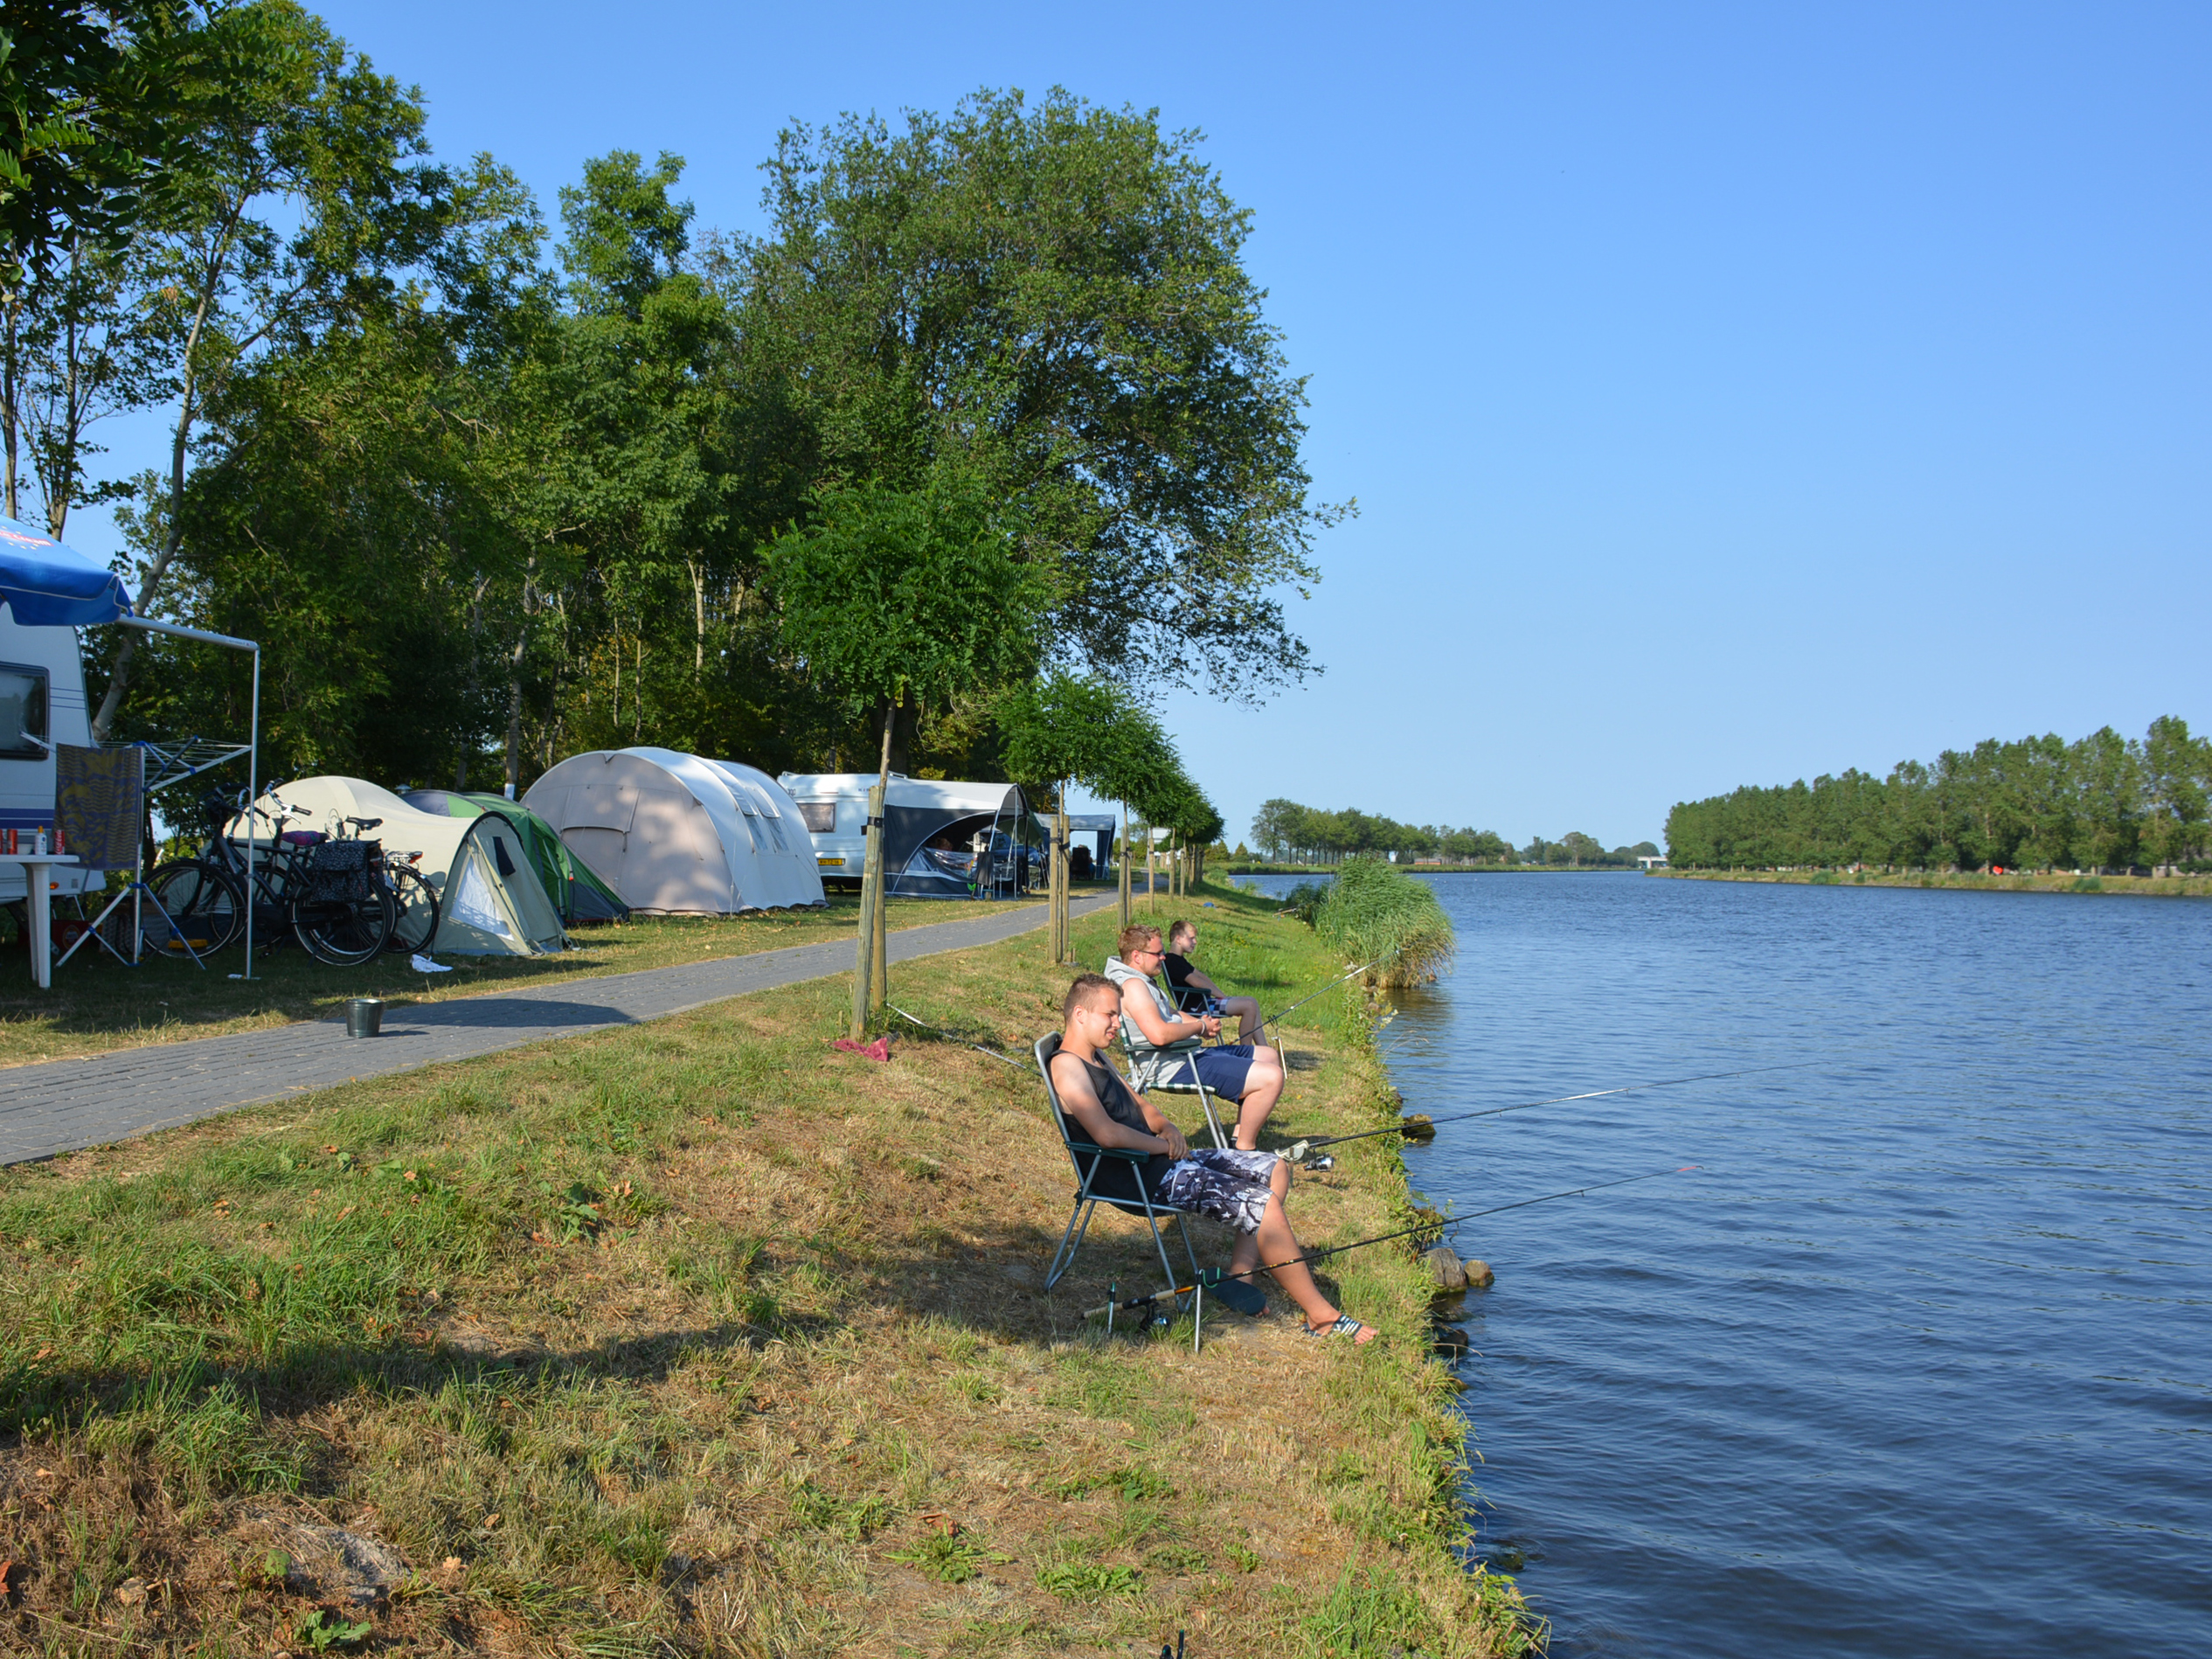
63,1105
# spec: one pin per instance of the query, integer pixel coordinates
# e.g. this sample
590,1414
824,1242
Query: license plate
826,862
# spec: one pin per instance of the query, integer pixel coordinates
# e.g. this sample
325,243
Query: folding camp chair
1187,1050
1090,1160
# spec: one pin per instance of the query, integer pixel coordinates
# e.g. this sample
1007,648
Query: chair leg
1189,1254
1071,1242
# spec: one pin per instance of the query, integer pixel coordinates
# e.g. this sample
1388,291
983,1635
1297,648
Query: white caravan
42,703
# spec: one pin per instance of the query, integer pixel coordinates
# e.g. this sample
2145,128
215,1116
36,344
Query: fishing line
1414,1126
1439,1227
1271,1018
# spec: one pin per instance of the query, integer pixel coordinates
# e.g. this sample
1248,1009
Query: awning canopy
47,584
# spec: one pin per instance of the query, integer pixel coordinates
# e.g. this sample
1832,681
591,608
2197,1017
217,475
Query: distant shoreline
1242,868
1970,881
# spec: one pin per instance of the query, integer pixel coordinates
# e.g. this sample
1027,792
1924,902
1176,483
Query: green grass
96,1004
700,1337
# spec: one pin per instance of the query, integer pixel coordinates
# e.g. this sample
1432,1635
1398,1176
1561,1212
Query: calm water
1920,1361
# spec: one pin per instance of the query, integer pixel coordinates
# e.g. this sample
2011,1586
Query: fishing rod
1419,1128
1270,1019
981,1048
1439,1227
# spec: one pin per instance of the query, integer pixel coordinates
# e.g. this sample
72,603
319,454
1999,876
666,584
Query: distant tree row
1289,833
2104,802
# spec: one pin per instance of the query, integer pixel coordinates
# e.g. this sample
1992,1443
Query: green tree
1051,299
304,197
887,595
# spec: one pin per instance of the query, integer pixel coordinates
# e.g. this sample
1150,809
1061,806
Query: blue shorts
1222,1070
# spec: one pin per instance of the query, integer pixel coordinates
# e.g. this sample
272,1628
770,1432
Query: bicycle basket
338,872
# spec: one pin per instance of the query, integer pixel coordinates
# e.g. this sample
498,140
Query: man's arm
1080,1102
1144,1014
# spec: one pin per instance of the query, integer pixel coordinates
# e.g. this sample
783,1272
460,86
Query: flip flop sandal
1344,1326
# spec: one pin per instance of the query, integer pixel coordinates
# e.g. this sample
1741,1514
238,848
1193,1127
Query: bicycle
414,903
328,892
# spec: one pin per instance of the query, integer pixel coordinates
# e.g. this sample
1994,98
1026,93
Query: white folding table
38,900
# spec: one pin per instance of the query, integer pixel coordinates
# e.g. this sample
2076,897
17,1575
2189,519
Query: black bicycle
338,896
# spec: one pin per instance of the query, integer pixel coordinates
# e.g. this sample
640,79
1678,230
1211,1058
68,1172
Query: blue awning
46,584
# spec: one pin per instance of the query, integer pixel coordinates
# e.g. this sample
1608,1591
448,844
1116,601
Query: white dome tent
679,835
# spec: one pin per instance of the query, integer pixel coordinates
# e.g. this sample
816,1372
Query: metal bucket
365,1017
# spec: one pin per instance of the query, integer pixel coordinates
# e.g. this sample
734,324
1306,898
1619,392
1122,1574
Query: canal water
1919,1360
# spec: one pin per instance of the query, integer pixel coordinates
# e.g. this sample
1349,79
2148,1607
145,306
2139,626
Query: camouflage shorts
1230,1186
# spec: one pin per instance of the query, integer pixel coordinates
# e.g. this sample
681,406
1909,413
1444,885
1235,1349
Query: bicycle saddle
364,823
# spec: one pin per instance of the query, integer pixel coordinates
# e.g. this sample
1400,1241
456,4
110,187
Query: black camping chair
1090,1160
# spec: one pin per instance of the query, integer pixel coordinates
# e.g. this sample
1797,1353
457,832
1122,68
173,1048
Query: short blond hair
1135,936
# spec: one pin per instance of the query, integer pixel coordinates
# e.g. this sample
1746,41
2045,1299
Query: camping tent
679,835
577,891
490,902
1098,830
942,839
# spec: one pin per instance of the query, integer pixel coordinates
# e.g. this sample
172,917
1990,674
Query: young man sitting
1244,1190
1249,1074
1194,992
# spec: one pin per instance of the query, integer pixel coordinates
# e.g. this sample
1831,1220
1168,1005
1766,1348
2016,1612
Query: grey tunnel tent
942,839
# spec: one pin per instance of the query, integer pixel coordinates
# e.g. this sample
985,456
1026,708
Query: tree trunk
1060,873
1121,867
871,897
698,617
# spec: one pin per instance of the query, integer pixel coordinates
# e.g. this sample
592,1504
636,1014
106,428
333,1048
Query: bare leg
1276,1244
1263,1087
1247,1012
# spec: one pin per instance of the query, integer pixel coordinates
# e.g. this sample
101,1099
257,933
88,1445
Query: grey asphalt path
63,1104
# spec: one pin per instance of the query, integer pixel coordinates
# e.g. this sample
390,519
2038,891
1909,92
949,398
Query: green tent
574,887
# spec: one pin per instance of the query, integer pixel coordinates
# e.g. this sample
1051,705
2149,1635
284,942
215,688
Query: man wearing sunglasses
1162,1044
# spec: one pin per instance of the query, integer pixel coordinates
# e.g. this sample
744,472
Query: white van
42,696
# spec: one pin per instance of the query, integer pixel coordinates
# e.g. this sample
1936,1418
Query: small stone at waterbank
1479,1275
1444,1270
1417,1128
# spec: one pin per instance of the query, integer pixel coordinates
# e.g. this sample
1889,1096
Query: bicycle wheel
191,906
416,903
344,933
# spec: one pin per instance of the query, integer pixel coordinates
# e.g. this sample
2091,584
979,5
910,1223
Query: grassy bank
702,1337
96,1004
2156,886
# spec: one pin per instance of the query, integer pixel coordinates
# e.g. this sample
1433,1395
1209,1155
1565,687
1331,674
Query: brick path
63,1105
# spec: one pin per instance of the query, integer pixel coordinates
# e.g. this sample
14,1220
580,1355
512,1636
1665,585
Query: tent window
819,816
23,712
500,856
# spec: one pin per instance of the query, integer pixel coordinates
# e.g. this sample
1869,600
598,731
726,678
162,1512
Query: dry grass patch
702,1337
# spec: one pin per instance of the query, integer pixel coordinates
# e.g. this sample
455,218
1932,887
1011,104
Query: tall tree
305,195
1051,298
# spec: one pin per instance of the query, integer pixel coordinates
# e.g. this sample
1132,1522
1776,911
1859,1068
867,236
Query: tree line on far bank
1288,833
491,491
2104,802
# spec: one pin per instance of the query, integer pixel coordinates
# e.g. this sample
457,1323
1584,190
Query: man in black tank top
1244,1190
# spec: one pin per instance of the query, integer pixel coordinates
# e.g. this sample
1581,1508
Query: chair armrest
1127,1154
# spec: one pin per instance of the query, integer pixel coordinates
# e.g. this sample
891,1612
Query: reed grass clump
1376,913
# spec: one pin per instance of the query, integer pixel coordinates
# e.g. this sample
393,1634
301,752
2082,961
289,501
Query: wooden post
1121,866
864,959
879,947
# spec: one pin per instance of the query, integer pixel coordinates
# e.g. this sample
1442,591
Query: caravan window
23,712
819,816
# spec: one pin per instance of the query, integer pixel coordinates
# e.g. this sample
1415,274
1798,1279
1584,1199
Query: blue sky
1730,394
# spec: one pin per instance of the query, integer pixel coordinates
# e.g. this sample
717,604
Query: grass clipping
1376,913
